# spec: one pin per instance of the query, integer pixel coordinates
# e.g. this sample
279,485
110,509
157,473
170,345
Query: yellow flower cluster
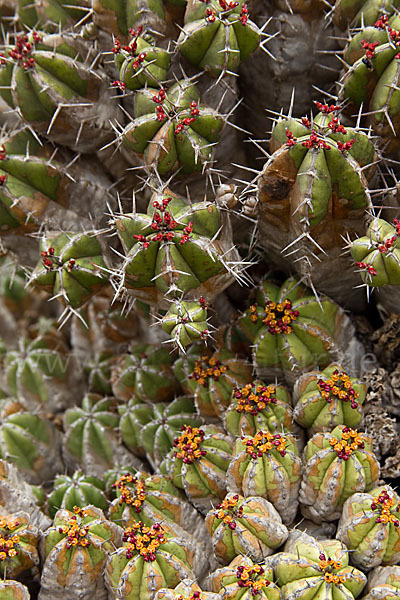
332,578
250,577
264,442
76,534
127,497
327,565
254,398
229,506
338,386
385,503
351,441
143,539
206,368
278,317
188,444
8,544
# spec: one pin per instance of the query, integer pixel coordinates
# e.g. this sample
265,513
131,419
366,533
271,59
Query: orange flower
188,444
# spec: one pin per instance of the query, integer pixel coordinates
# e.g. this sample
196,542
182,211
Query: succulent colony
187,409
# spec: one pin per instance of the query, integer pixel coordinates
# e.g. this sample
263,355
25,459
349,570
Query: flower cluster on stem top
124,485
144,540
206,368
251,578
22,51
351,441
188,444
338,387
264,442
254,398
384,503
278,316
228,510
8,543
164,224
328,566
75,532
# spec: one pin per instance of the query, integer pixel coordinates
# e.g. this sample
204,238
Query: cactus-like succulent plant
103,328
314,190
71,268
71,108
76,490
98,372
74,551
383,583
211,379
180,267
37,188
140,62
153,428
176,248
258,406
18,544
268,465
245,527
186,322
151,557
150,498
112,475
37,371
185,590
324,399
359,13
377,256
371,78
15,297
91,436
17,495
171,130
321,568
231,337
218,35
292,331
117,18
30,442
146,498
370,528
243,579
134,415
198,464
13,590
144,374
51,14
336,465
